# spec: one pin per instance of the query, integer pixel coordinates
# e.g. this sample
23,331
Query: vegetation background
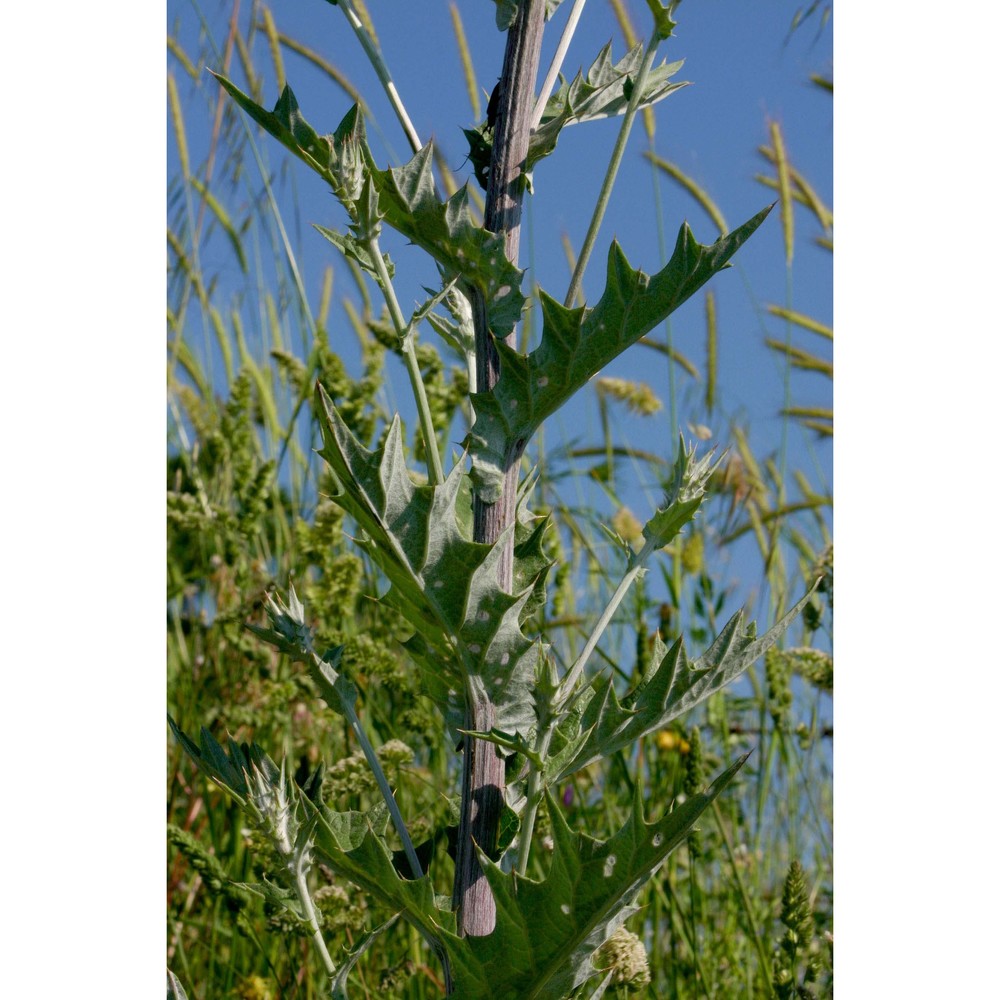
86,549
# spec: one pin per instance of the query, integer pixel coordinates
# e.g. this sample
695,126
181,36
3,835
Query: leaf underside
467,629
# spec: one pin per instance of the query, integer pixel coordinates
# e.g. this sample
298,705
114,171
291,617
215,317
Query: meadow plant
536,907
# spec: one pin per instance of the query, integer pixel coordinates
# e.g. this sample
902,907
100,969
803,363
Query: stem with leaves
291,635
483,767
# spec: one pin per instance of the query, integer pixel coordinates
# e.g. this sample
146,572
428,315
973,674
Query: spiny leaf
352,844
682,497
601,724
355,249
447,230
577,343
467,630
546,931
661,18
228,769
338,983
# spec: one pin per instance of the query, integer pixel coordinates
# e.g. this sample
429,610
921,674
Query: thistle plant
467,561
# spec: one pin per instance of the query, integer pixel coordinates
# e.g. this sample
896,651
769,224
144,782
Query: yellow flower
667,739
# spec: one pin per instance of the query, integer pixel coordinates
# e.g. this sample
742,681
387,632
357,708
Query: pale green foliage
174,989
405,197
467,630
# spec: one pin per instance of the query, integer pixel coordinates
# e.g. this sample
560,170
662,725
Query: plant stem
534,799
305,899
434,471
755,932
557,61
347,707
483,779
612,172
636,568
375,57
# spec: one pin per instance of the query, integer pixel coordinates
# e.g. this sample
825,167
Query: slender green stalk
383,784
557,61
636,568
534,798
305,900
434,470
382,70
612,172
347,707
755,931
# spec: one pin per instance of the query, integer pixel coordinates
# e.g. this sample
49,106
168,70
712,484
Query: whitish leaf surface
174,989
467,630
577,343
601,724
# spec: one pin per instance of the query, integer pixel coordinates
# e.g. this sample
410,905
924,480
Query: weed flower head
626,955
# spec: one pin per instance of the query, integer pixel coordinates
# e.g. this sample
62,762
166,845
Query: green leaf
506,13
546,931
682,497
577,343
335,158
404,196
353,846
354,249
447,231
339,980
602,725
241,771
459,335
661,18
467,630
